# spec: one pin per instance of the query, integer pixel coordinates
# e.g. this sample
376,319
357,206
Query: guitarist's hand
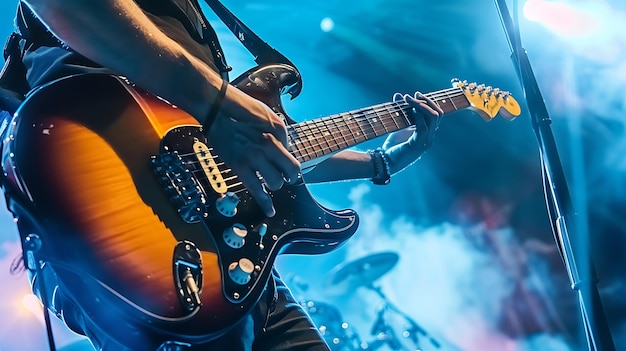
251,140
404,147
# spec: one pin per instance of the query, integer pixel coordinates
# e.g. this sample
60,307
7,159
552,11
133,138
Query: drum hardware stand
381,325
559,204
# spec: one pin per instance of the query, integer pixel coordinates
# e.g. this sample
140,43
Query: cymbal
360,272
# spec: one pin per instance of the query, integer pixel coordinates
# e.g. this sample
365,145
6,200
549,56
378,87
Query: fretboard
324,136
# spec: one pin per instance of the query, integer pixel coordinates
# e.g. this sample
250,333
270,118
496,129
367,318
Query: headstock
488,101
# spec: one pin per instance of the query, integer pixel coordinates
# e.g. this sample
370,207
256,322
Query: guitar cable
32,244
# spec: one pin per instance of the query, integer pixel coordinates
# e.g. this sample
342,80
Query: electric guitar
140,218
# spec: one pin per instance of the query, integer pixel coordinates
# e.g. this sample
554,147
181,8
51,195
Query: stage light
327,24
562,18
592,30
31,303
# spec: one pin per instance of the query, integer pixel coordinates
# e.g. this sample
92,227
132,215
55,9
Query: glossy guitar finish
134,205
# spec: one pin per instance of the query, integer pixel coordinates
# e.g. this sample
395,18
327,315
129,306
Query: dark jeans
277,323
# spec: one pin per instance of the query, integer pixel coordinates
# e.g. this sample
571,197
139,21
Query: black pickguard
301,225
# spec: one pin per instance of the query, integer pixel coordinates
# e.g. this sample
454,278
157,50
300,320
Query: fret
344,130
360,136
377,122
392,110
461,102
305,142
446,105
450,100
361,124
353,128
399,116
338,129
313,137
324,136
313,144
336,134
365,125
294,142
394,115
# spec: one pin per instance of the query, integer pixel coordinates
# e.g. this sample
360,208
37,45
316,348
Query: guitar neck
321,137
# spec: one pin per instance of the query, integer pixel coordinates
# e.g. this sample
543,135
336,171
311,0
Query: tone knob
240,271
235,235
226,205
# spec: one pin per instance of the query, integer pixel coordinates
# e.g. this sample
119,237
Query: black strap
31,28
263,53
13,85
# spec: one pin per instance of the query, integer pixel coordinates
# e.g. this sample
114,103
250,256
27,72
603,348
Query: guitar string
375,127
313,135
359,119
359,115
368,112
314,129
232,186
318,127
364,116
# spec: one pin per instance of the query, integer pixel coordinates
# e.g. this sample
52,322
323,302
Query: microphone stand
576,259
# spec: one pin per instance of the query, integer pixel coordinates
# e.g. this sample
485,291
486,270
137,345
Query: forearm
345,165
117,34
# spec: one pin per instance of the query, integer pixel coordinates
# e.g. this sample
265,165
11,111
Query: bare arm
345,165
400,149
117,34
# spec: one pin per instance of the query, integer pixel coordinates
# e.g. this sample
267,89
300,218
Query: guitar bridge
184,191
188,274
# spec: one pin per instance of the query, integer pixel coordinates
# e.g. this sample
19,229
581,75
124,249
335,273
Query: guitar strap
262,52
13,85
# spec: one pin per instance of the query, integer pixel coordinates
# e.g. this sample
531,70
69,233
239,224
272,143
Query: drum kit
392,328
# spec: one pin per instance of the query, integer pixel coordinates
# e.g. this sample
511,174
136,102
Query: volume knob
235,235
226,205
240,271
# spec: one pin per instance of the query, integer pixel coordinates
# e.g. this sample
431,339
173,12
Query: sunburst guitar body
149,235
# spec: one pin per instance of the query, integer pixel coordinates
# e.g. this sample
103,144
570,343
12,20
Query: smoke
446,283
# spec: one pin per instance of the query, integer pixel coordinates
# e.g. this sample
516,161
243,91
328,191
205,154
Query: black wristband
215,107
382,173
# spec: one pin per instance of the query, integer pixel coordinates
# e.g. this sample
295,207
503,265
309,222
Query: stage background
478,268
